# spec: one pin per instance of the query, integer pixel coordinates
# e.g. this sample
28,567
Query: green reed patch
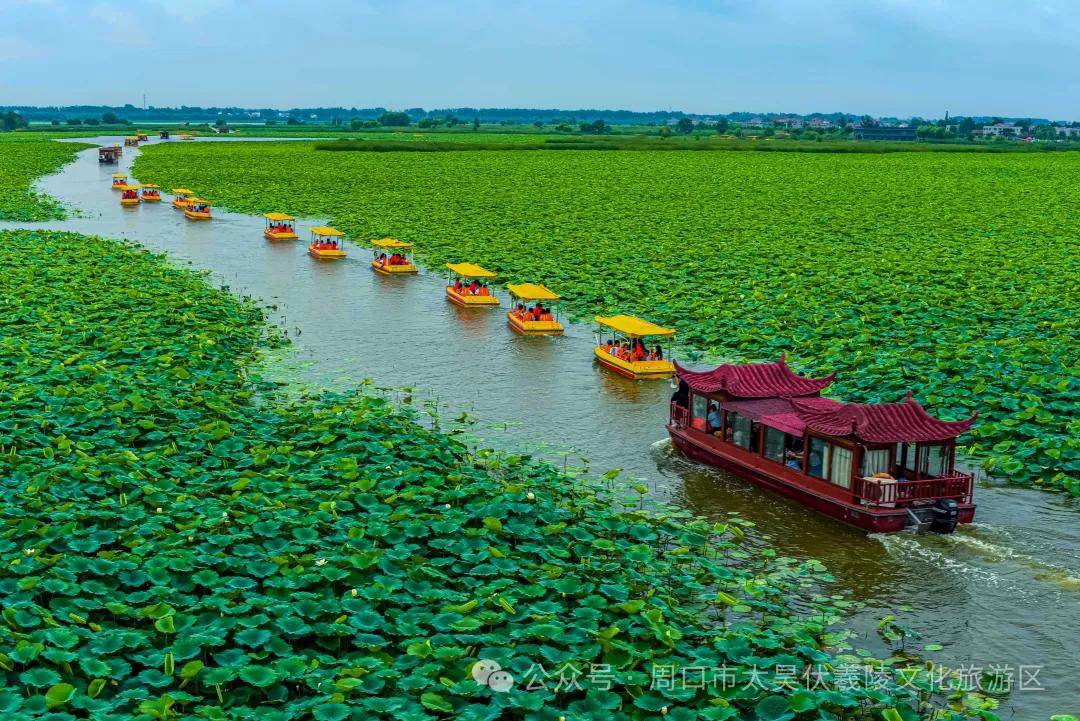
179,541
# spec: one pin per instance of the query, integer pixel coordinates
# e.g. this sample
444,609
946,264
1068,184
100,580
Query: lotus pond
955,275
181,541
27,157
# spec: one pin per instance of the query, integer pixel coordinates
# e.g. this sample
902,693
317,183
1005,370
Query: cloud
120,24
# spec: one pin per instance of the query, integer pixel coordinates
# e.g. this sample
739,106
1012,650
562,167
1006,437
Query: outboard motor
945,515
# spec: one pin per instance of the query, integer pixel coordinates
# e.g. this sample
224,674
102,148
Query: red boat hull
871,520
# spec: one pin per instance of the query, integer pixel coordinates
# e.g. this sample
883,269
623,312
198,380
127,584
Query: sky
883,57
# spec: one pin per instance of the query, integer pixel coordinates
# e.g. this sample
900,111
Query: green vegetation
956,275
25,159
180,541
494,141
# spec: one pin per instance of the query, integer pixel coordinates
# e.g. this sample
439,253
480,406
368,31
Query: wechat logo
489,673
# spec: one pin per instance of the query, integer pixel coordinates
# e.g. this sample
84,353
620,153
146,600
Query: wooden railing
680,416
876,491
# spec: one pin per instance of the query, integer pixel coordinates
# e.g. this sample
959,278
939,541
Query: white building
999,129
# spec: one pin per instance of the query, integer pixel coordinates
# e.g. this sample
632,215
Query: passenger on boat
459,288
638,353
681,396
616,349
381,260
606,347
794,461
714,418
658,353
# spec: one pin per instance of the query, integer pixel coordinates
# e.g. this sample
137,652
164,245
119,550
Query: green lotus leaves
28,156
151,570
950,274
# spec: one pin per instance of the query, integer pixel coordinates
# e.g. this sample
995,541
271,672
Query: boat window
700,409
840,466
874,461
741,428
774,444
934,461
701,405
818,461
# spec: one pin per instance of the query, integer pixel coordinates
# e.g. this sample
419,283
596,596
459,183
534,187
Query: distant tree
55,121
926,131
538,124
965,127
596,127
685,126
868,122
996,121
220,123
294,121
428,123
563,128
666,131
110,118
452,120
12,120
476,123
768,132
73,121
391,119
91,121
722,125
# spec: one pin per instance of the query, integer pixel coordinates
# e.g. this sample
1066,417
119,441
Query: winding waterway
1002,592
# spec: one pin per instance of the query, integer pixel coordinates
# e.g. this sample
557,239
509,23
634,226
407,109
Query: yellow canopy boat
541,318
181,198
399,259
141,136
119,180
150,193
621,347
326,242
131,141
130,195
474,293
197,209
280,226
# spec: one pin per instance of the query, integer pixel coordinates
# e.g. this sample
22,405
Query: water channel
1003,592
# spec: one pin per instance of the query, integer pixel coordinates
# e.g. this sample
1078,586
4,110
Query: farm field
170,557
27,157
954,275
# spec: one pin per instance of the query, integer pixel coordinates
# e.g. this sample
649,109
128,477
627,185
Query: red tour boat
882,467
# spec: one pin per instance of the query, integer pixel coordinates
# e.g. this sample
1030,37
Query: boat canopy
278,216
470,270
531,291
753,380
391,243
904,422
199,201
119,175
151,186
326,230
130,187
181,191
633,327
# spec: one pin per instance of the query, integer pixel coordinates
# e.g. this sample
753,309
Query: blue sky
884,57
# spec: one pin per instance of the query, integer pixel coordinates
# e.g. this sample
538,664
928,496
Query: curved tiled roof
881,422
753,380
